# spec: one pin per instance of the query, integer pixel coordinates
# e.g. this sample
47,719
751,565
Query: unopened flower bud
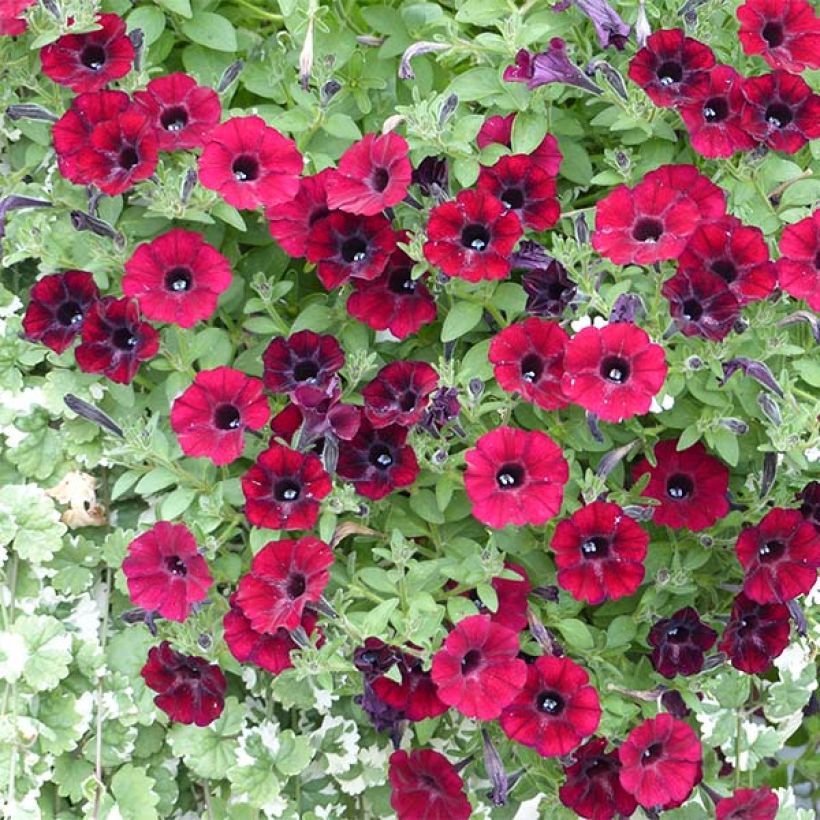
447,110
495,771
694,363
638,512
740,326
188,184
770,408
476,388
581,229
439,457
30,111
137,39
768,474
204,641
642,27
735,426
229,75
85,222
423,47
328,91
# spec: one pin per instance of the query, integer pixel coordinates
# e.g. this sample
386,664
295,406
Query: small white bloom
581,323
13,656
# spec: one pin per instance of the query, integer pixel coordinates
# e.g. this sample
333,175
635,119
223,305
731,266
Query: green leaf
483,12
294,753
342,126
460,320
576,633
210,30
181,7
150,20
423,504
30,523
38,454
177,502
49,650
726,444
528,132
620,631
576,165
375,622
134,792
157,479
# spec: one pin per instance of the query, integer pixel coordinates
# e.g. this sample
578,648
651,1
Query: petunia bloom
416,696
609,27
497,130
755,634
748,804
12,21
679,643
305,358
785,33
425,784
701,304
798,268
290,222
550,66
399,393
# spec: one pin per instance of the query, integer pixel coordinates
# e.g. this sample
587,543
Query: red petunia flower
498,130
529,359
690,484
416,696
290,223
346,246
653,221
512,599
472,237
613,371
191,690
249,164
780,556
679,643
592,788
12,22
268,651
798,268
57,307
305,358
477,670
177,277
373,174
661,762
786,33
781,111
701,304
713,118
115,340
88,62
527,190
599,553
555,710
377,461
283,489
425,784
399,394
284,577
515,477
165,572
393,301
211,416
183,113
755,634
748,804
672,68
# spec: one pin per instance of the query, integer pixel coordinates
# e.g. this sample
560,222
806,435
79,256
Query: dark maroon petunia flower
249,164
798,268
12,21
550,66
432,175
346,246
748,804
115,340
177,277
713,118
497,130
305,358
165,572
290,223
701,304
373,174
592,788
755,634
809,498
780,556
191,690
679,643
613,371
477,670
599,553
211,416
654,220
515,477
88,62
425,784
416,696
57,307
284,577
472,237
781,111
661,762
735,252
399,394
527,190
786,33
690,484
283,489
377,461
268,651
555,710
672,68
549,288
528,358
393,301
183,113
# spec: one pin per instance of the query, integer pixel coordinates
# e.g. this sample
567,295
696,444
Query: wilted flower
551,66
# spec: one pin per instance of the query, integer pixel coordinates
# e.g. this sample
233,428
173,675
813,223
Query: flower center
354,249
747,626
128,158
380,179
401,282
779,115
178,280
124,339
679,487
817,261
725,269
513,198
296,585
193,672
176,566
615,369
692,310
647,230
510,476
475,237
227,417
773,34
380,456
670,73
715,109
551,703
595,547
174,118
286,490
408,401
305,370
532,366
771,550
677,634
93,57
245,168
69,314
652,752
470,661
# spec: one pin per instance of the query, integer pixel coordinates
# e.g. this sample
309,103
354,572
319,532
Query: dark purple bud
330,452
383,717
204,641
52,8
423,47
324,607
809,498
613,458
615,80
624,162
768,474
476,388
494,767
673,703
551,66
432,176
439,457
444,407
755,369
370,40
581,229
735,426
448,350
637,512
137,39
740,326
561,5
13,203
706,541
188,185
543,636
30,111
549,289
229,75
627,308
594,427
547,593
803,316
530,256
375,658
812,708
799,618
300,637
447,110
328,91
86,222
92,414
612,31
770,408
694,363
141,616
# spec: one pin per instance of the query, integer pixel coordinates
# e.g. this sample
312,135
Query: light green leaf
181,7
49,649
460,320
134,792
576,633
30,523
210,30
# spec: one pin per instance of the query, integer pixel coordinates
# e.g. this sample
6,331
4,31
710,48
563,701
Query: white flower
13,656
